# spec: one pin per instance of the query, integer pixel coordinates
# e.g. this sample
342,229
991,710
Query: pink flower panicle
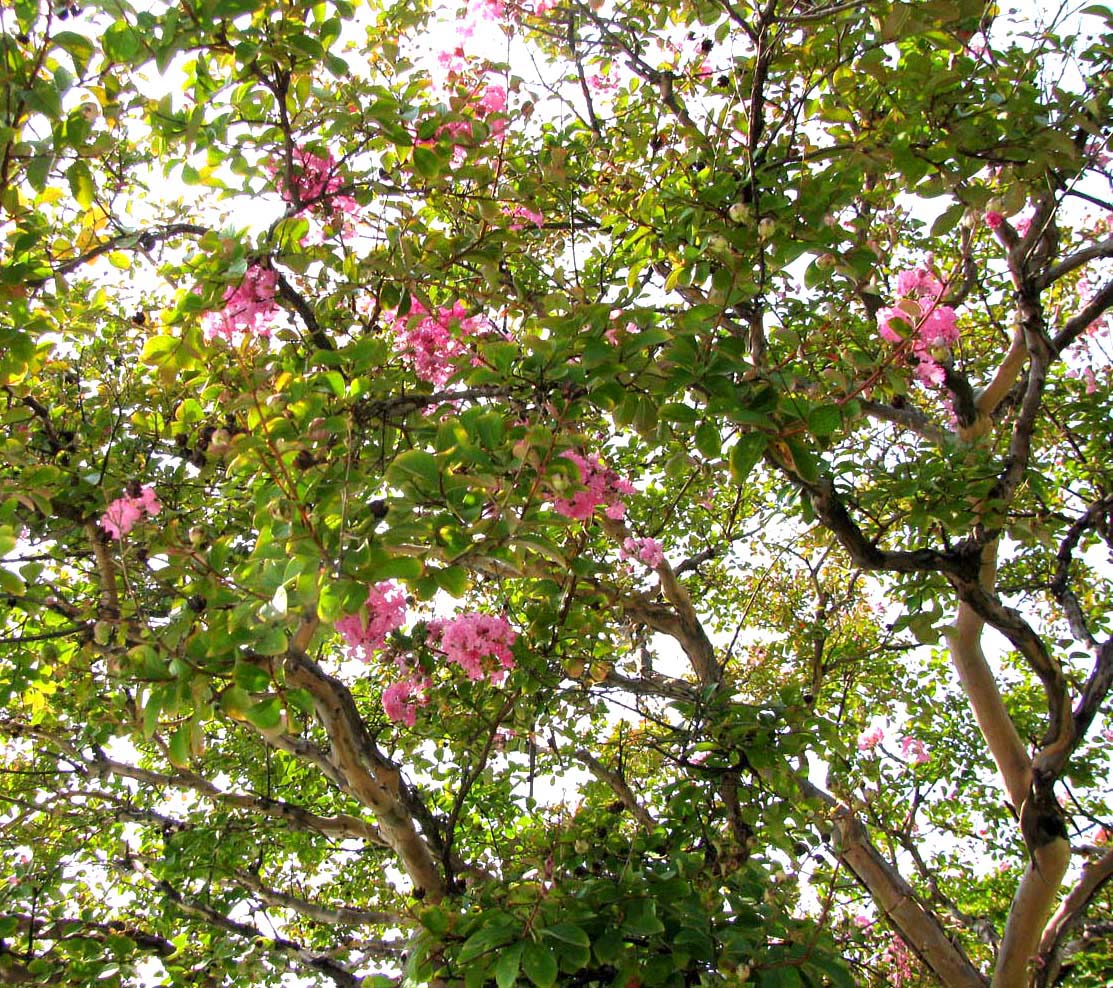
401,699
993,219
647,551
868,740
430,341
385,612
918,311
601,489
311,178
520,215
493,100
901,961
914,750
476,642
123,513
249,307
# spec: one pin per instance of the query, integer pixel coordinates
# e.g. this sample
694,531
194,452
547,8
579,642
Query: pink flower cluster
385,612
914,750
647,550
249,307
429,341
472,640
601,489
868,740
401,699
519,215
123,513
918,312
902,963
315,179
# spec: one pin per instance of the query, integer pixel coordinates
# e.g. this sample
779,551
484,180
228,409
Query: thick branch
1101,301
1069,914
122,241
1028,914
342,977
369,776
907,418
331,915
620,788
1101,249
342,826
894,897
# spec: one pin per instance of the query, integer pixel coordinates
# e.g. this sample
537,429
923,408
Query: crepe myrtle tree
555,493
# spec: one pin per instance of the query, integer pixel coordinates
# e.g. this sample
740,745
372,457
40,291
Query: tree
623,499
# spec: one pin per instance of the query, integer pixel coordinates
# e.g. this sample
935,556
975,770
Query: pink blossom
902,963
523,213
458,131
930,325
310,178
929,372
993,219
919,282
430,341
249,307
886,323
493,100
471,638
915,750
862,921
123,513
1023,223
385,612
601,487
647,550
401,699
869,740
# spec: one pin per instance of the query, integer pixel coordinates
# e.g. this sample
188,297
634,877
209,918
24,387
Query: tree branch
894,897
369,776
620,788
1067,917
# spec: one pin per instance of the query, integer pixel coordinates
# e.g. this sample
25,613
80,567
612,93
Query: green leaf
539,964
81,183
508,965
177,749
640,918
267,714
745,454
709,440
11,582
426,162
567,933
823,420
414,464
272,641
452,579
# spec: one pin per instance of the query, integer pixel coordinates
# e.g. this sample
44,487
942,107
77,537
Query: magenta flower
385,611
914,750
647,550
123,513
602,488
868,740
401,699
993,219
472,640
493,100
519,213
430,341
249,307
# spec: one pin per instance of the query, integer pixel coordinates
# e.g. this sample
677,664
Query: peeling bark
370,777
